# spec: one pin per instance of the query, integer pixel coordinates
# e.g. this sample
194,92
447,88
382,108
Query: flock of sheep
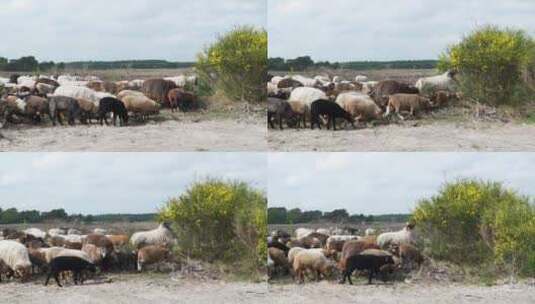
61,251
323,252
30,98
292,99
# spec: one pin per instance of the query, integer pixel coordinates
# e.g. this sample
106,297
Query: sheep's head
410,226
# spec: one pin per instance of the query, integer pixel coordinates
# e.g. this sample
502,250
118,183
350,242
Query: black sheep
331,109
373,260
115,106
69,263
279,109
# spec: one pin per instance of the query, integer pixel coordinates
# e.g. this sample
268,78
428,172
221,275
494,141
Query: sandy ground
331,292
161,288
134,288
170,135
439,136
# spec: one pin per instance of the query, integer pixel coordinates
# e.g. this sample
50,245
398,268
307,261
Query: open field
460,127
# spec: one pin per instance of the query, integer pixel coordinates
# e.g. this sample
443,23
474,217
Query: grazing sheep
385,88
36,106
77,92
58,105
408,255
5,270
279,109
181,99
440,98
354,247
100,241
336,242
73,241
122,94
161,235
37,258
275,243
158,89
151,254
306,81
56,231
404,236
372,260
412,103
279,259
330,109
141,105
301,100
69,263
292,253
16,256
115,106
74,231
313,260
444,82
361,78
100,231
360,106
96,254
44,89
88,109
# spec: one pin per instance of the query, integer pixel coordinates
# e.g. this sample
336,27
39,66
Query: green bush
236,64
491,62
475,223
219,221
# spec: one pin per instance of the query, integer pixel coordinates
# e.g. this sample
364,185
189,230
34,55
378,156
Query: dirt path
331,292
205,135
135,288
440,136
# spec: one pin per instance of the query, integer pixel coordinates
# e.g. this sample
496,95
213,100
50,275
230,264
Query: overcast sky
96,183
345,30
68,30
379,183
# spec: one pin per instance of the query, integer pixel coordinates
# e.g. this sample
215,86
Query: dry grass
113,228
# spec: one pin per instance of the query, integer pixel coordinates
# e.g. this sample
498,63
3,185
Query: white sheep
16,256
53,252
368,86
56,231
313,260
100,231
306,81
77,93
35,232
435,83
323,231
161,235
307,95
361,78
303,232
72,231
369,231
404,236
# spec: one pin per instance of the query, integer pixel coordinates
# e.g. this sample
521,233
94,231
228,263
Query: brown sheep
96,254
386,88
407,102
72,245
36,106
99,240
37,257
56,241
110,87
118,240
305,242
360,106
151,254
157,89
440,98
300,110
408,255
88,109
140,105
48,81
279,258
352,248
181,99
96,86
320,236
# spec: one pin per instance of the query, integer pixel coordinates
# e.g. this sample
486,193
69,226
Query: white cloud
344,30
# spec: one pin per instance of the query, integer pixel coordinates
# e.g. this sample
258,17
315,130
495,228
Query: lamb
151,254
115,106
63,104
279,109
313,260
359,106
374,260
406,102
69,263
331,109
445,82
404,236
16,257
161,235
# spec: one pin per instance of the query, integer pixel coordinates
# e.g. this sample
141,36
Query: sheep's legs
48,278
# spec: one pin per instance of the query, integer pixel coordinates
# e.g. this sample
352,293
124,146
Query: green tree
221,221
277,216
490,62
472,222
237,64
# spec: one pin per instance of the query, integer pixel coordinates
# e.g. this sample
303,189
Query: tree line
31,64
280,215
14,216
305,62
